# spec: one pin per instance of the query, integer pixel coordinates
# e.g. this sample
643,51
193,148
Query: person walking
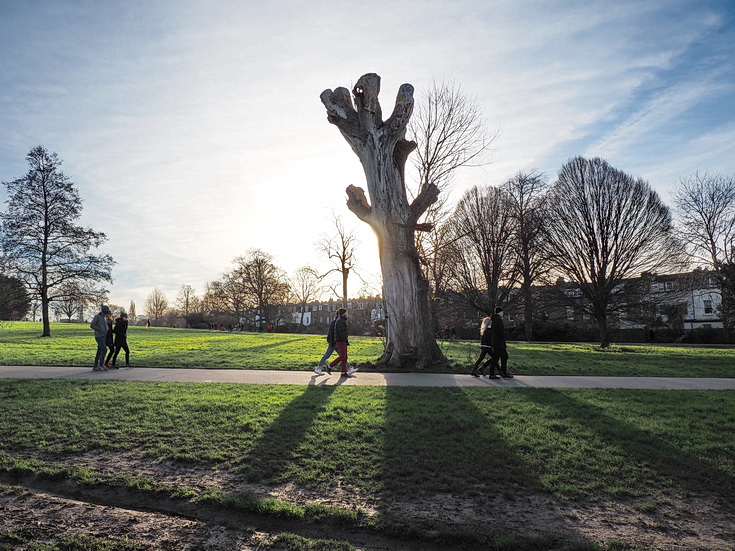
99,324
331,347
109,341
121,339
486,349
497,340
341,343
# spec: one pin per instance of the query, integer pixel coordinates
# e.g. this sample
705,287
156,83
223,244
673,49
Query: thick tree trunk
382,149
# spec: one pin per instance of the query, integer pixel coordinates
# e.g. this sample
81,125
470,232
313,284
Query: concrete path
362,378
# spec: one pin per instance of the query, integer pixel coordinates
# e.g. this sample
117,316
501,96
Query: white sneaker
318,371
351,370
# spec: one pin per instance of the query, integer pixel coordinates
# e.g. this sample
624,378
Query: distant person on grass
331,347
341,343
486,349
121,339
99,324
497,340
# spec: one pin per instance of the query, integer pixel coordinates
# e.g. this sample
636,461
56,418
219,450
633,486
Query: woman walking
121,339
486,349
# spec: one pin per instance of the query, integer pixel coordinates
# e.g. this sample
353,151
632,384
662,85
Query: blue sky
194,130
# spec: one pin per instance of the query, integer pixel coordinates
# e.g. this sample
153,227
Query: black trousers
122,344
500,353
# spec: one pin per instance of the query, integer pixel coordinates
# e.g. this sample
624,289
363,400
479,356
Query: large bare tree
484,263
187,300
451,133
383,150
605,228
525,192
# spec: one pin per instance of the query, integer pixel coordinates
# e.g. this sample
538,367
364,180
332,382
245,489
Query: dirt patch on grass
46,510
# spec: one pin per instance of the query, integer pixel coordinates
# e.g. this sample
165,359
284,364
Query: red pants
342,351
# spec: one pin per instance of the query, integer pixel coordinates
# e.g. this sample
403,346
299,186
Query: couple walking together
337,340
492,343
103,334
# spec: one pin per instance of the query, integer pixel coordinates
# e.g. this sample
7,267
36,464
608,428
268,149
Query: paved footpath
361,378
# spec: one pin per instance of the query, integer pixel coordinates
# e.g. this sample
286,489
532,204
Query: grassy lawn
569,443
73,344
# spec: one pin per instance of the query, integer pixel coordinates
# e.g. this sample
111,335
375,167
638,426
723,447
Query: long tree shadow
276,449
646,459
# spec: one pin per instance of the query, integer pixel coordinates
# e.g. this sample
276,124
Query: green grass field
394,443
73,344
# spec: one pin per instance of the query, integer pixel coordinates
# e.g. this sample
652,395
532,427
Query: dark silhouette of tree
14,300
526,202
605,228
40,242
187,300
483,258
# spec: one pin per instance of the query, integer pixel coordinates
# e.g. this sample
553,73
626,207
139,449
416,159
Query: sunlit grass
73,345
397,441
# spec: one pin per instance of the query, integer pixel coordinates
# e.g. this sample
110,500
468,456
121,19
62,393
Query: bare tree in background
131,311
156,305
604,228
705,206
483,258
525,193
341,251
306,286
73,298
383,150
451,133
187,300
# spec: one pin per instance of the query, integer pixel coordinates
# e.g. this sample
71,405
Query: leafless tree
526,202
484,264
604,228
73,298
131,311
39,241
383,150
306,285
187,300
156,305
705,205
705,208
451,133
341,250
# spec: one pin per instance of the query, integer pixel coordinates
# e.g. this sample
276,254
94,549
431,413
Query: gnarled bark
383,149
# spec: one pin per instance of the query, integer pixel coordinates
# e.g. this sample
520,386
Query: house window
668,285
707,306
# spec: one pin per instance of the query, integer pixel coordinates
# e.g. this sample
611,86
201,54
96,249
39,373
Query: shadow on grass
644,451
275,450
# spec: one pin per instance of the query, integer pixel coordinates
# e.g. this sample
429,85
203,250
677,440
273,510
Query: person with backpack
331,347
497,340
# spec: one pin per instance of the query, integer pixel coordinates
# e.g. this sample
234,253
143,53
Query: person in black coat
500,352
486,349
121,338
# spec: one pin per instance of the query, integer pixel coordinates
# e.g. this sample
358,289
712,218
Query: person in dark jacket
99,324
341,343
331,347
500,352
121,338
109,340
486,349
